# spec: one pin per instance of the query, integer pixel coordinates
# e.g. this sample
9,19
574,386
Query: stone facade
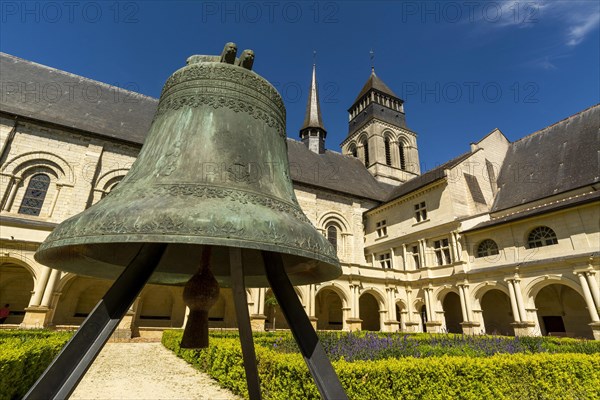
432,253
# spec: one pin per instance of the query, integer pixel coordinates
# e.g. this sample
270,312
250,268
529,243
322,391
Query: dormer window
442,252
381,228
541,236
420,212
385,261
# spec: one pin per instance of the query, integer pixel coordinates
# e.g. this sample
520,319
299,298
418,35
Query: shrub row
375,346
502,376
24,355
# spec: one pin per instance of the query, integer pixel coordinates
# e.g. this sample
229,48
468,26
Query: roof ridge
61,72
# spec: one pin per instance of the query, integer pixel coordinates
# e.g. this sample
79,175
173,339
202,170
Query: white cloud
572,20
581,28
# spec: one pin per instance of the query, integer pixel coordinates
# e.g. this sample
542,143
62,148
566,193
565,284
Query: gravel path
145,371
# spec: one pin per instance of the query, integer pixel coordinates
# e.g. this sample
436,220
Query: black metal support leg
318,363
243,318
62,376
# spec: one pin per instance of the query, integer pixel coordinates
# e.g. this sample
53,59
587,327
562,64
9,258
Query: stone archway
423,318
275,318
369,312
160,306
16,285
79,297
497,313
562,312
222,313
328,310
452,313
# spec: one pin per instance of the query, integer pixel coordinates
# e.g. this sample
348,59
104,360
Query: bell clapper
200,293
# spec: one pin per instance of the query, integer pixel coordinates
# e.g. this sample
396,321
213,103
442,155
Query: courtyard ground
145,371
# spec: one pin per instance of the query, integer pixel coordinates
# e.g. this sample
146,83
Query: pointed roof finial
314,57
372,53
312,118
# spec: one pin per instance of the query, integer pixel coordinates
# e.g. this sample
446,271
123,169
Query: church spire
313,132
312,118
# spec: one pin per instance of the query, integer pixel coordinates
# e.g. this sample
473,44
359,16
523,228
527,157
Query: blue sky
463,68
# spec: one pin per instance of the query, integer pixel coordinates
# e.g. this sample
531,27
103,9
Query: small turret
312,132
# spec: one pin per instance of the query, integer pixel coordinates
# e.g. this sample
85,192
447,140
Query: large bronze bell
213,171
209,202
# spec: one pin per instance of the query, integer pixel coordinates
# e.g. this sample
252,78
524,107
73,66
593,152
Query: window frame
381,228
490,245
416,256
337,232
420,211
547,240
441,249
385,260
29,195
388,151
402,155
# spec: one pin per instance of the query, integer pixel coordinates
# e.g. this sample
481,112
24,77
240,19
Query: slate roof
556,159
545,208
46,94
428,177
108,111
312,117
374,82
335,171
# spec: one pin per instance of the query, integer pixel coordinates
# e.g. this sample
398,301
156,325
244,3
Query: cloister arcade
554,306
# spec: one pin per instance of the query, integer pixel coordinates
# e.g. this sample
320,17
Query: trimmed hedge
503,376
24,355
355,346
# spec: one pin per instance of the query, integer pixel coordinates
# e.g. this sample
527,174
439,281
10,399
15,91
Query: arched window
388,154
332,235
35,195
541,236
402,156
110,185
353,151
366,150
487,248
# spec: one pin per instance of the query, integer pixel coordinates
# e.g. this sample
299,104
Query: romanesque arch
329,309
334,227
452,312
79,296
497,312
160,306
30,170
16,285
369,304
401,313
222,314
17,165
275,318
106,182
561,310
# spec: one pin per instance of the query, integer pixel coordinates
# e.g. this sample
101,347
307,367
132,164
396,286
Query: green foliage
503,376
24,355
353,346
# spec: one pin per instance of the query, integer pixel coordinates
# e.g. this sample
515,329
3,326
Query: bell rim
332,264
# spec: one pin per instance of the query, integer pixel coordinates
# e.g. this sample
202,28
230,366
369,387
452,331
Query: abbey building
503,239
